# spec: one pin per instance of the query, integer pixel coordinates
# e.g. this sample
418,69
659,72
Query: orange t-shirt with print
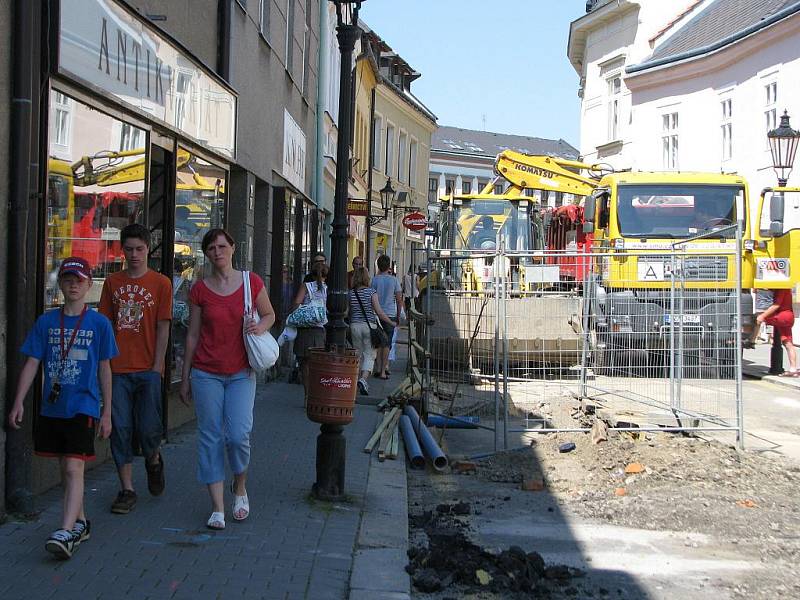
135,306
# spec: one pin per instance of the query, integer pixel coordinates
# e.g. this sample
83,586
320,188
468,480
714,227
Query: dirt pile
450,558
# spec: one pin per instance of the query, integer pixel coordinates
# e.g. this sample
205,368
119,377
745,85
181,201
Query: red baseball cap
76,266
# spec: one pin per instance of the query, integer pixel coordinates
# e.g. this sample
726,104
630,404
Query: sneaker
83,529
363,388
62,543
155,476
124,503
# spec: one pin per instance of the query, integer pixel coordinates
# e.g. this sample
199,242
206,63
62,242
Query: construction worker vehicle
645,254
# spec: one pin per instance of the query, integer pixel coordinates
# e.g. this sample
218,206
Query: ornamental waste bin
331,385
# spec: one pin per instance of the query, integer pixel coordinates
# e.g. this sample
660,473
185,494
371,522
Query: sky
493,65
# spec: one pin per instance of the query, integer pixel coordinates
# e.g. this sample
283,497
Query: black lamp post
331,443
347,32
783,146
387,202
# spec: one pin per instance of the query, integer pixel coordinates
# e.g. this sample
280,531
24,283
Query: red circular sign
415,221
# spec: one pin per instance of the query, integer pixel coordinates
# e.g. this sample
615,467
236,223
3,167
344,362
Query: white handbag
262,350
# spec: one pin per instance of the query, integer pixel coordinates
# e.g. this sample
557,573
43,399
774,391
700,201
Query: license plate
686,319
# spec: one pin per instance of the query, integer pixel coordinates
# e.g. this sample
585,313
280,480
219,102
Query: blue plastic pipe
469,422
411,443
429,445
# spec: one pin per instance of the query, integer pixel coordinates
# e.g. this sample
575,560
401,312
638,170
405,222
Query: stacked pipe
429,445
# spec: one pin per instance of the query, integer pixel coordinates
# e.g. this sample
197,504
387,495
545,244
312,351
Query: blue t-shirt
80,388
387,286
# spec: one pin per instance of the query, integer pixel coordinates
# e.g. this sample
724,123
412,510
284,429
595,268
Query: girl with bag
311,335
217,373
365,330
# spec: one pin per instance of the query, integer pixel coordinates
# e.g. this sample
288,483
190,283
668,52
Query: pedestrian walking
313,291
364,307
781,316
410,289
358,263
138,302
217,374
390,298
763,301
76,345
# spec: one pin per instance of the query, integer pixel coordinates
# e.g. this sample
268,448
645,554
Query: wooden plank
394,445
386,436
379,429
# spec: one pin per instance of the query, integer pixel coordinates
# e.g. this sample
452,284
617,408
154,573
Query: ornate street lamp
387,202
333,370
783,145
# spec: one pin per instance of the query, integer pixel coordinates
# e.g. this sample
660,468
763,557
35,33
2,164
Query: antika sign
110,48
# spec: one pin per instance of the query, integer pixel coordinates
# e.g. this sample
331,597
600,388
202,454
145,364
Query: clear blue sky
505,59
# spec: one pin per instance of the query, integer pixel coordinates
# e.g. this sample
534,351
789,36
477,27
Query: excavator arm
526,171
107,168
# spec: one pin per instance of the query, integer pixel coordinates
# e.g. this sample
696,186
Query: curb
793,384
381,547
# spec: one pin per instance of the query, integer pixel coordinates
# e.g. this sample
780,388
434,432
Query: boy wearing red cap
75,345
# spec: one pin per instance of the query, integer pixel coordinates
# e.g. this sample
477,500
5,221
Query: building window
770,109
466,187
498,188
263,18
614,96
130,137
433,189
412,164
669,140
389,170
449,186
289,35
727,129
61,126
377,136
402,149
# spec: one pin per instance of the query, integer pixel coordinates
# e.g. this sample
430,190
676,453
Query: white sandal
240,503
216,521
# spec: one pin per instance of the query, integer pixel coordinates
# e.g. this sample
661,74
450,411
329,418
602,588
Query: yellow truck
662,257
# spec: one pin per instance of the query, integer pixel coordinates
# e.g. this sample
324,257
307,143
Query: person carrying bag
262,350
364,311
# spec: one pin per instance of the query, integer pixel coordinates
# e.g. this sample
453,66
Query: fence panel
539,341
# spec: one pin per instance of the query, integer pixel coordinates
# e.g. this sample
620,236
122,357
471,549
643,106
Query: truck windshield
474,225
676,211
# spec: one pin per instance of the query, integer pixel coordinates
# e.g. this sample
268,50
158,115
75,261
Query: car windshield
475,224
676,211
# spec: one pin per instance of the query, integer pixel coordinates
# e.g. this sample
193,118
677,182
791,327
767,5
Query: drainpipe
224,39
21,280
322,92
367,257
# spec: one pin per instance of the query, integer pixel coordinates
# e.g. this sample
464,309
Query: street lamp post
783,145
331,444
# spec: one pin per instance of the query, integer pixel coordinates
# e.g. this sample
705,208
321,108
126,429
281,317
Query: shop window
92,192
199,206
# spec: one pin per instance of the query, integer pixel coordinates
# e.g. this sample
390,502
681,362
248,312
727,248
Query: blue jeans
135,407
224,408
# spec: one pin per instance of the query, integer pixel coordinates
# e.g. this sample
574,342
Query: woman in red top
781,316
217,375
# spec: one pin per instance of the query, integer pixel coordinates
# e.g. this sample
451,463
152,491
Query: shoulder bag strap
364,312
248,306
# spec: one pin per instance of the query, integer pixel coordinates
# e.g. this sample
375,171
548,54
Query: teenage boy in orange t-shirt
138,301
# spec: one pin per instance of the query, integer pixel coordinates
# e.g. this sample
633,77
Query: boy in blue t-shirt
76,345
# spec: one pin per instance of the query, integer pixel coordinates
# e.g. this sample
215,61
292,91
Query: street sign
415,221
356,208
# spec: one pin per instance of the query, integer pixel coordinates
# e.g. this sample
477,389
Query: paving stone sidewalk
290,547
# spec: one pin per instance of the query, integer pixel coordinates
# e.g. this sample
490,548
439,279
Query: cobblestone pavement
290,547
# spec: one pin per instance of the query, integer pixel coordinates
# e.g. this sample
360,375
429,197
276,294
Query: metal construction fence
551,341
